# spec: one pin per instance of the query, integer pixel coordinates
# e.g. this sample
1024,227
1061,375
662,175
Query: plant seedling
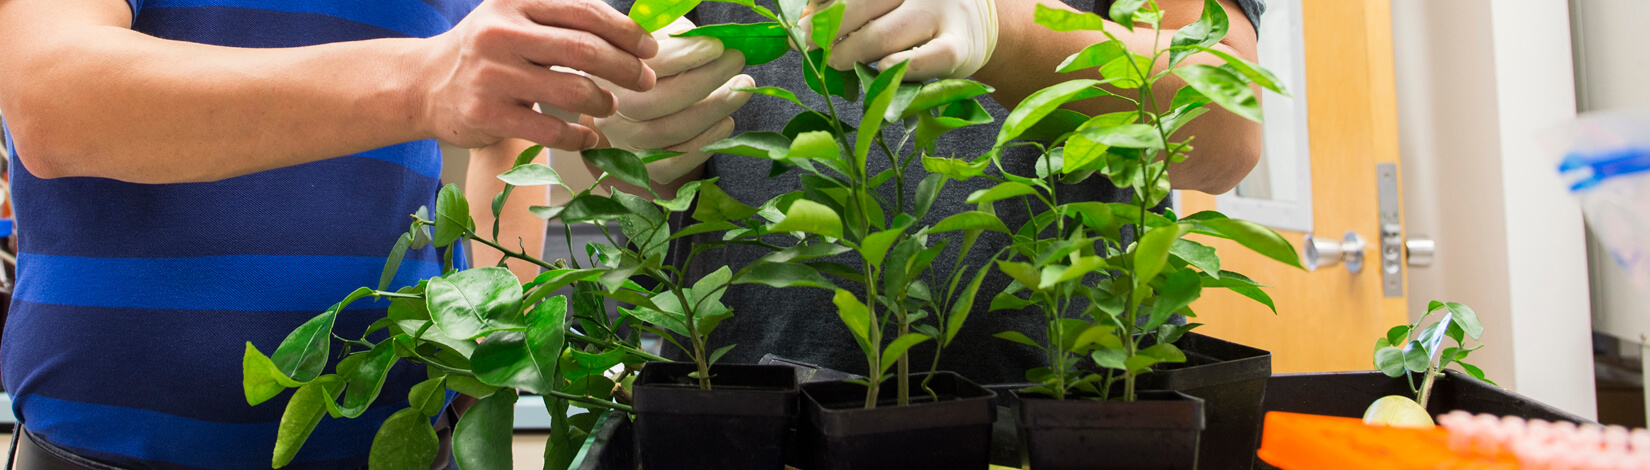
1407,350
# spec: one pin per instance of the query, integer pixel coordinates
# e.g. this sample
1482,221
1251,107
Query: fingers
584,51
597,18
681,126
548,131
567,91
676,93
860,12
669,169
677,55
891,33
940,57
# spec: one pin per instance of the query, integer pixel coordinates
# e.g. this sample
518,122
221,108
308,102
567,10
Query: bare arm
1227,146
518,230
87,96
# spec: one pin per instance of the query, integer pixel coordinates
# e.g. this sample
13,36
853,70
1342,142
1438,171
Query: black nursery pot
838,433
1231,380
1159,430
1348,394
743,421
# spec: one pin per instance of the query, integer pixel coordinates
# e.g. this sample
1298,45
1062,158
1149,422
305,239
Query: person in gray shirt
993,41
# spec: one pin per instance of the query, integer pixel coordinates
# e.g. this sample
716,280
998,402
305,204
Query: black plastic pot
611,446
742,422
837,432
1160,430
1348,394
1231,380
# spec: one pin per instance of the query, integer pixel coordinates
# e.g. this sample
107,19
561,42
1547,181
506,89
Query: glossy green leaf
855,316
1083,266
1224,87
1208,30
1141,136
1124,12
962,305
1127,71
805,252
591,208
784,275
1056,124
1140,363
366,379
1165,353
825,25
622,164
392,264
1093,56
1467,318
971,220
874,248
525,360
1018,337
1416,358
1066,20
809,217
839,83
1475,372
1255,237
546,212
452,215
1254,72
956,169
405,441
1179,290
260,380
1024,273
898,347
532,174
303,412
1197,254
1110,358
1097,334
1151,253
759,42
481,440
943,92
303,354
759,144
653,15
1042,102
429,397
684,197
470,386
927,191
773,91
879,95
815,146
719,352
951,117
474,302
715,205
999,192
1229,281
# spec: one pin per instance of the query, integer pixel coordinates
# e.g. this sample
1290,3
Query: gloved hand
689,108
941,38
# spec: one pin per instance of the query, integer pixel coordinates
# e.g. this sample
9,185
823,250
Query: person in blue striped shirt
192,174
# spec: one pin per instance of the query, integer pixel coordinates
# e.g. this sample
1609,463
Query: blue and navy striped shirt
134,301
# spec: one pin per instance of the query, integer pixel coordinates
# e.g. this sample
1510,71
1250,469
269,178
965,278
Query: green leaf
809,217
825,25
815,146
999,192
1415,357
874,248
452,215
971,220
622,164
1165,352
839,83
804,252
1467,318
302,413
1224,87
718,353
546,212
943,92
759,42
525,360
1079,268
1100,334
1042,102
532,174
1140,363
1093,56
260,380
1179,290
1230,281
1197,254
856,317
951,117
1208,30
393,262
474,302
1250,70
1124,11
652,15
367,379
405,440
1256,237
303,353
429,397
470,386
1151,253
962,305
1054,126
879,95
897,348
1026,274
1138,136
1066,20
1007,301
774,92
715,205
481,441
1110,358
1128,71
784,275
954,168
927,191
1397,335
684,197
1475,372
1018,337
592,208
759,144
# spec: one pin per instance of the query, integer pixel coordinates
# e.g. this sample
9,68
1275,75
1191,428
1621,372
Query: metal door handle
1322,253
1421,251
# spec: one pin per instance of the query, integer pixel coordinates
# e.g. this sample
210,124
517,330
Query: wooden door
1328,319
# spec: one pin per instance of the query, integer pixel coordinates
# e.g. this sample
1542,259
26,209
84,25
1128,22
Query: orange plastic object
1294,441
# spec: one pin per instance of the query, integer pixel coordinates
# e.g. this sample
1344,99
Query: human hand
688,109
483,76
941,38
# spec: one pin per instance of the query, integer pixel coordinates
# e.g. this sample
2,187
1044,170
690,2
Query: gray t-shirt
801,323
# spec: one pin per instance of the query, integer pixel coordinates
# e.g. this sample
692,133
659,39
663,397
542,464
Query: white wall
1477,80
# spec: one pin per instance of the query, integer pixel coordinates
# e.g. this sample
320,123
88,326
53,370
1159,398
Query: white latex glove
941,38
689,108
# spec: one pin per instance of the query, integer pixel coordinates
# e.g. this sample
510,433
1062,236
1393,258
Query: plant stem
511,253
1426,386
588,400
614,345
903,369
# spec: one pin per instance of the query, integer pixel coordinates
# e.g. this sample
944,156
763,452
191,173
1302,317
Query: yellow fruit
1394,410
